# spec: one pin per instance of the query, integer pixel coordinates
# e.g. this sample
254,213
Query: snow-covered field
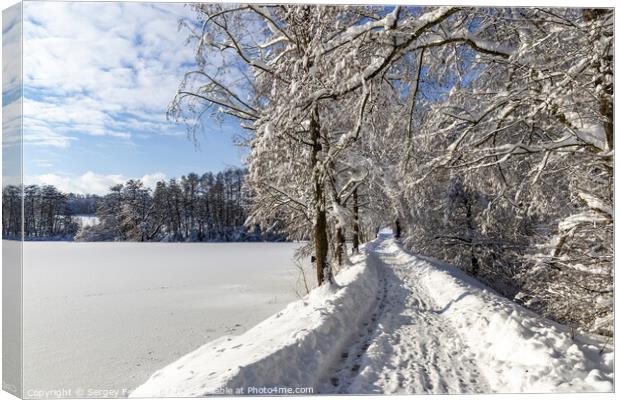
394,323
86,220
105,316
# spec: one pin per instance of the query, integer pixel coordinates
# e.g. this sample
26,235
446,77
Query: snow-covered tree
528,138
487,133
41,211
301,78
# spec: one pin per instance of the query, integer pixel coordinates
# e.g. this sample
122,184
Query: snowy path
407,346
395,323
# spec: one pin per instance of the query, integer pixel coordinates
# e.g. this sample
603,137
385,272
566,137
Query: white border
498,3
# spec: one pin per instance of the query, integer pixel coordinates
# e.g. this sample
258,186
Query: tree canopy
486,132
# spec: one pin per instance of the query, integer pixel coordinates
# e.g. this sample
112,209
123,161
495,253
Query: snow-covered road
408,346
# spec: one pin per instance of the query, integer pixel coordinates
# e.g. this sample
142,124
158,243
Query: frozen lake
105,316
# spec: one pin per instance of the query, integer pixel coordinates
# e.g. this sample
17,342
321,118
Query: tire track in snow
406,346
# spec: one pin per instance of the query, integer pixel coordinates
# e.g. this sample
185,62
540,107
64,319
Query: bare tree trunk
320,225
356,224
398,229
339,250
607,109
475,265
340,243
321,247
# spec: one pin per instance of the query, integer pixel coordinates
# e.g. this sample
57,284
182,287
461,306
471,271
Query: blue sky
98,78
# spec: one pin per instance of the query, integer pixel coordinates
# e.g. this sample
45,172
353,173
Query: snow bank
291,349
519,350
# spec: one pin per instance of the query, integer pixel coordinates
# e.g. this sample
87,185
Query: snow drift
290,349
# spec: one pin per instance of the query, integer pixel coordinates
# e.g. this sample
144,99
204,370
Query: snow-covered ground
394,323
106,316
86,220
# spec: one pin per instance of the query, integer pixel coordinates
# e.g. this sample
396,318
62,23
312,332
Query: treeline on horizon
196,208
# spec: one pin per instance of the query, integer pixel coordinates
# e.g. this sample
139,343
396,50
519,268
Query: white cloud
104,69
11,74
150,180
42,135
11,47
11,123
90,182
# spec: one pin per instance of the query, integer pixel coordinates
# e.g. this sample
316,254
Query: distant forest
211,207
